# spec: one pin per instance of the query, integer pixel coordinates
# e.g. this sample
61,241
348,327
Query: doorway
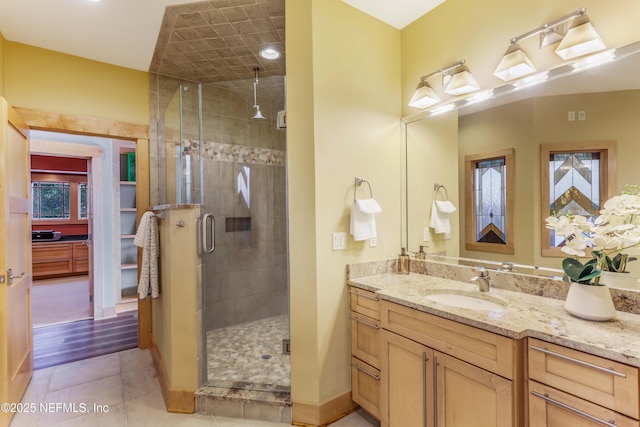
91,271
61,252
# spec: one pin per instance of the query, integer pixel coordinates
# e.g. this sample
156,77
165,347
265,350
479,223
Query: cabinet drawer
365,302
80,265
49,252
365,386
549,407
46,268
484,349
80,250
601,381
365,338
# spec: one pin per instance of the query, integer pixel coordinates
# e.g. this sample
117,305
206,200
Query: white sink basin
470,300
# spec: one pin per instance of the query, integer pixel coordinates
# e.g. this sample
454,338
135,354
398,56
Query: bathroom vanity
517,360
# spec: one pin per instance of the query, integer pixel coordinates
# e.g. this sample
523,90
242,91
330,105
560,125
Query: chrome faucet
482,279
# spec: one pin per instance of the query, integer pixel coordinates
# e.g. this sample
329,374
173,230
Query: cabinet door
549,407
407,383
470,396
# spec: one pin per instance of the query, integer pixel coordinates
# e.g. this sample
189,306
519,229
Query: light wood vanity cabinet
571,388
365,349
423,384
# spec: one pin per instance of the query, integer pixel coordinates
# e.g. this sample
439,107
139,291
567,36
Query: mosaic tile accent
237,356
236,153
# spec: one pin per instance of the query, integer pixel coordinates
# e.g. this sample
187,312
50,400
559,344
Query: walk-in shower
217,156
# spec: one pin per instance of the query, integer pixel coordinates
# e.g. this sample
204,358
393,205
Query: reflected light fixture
457,78
581,39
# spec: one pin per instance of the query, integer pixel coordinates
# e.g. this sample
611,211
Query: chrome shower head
258,115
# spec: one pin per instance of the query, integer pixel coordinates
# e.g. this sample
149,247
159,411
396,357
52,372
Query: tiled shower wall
245,181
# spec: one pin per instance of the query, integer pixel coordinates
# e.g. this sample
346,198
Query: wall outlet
572,116
373,242
582,115
339,241
425,234
447,236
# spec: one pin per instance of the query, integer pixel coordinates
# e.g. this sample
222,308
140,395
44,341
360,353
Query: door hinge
90,298
2,279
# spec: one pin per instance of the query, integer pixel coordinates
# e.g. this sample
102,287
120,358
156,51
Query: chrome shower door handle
208,230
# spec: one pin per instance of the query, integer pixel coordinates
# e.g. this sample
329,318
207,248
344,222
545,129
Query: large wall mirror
436,146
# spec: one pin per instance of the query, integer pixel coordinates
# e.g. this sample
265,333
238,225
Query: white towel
363,219
440,211
147,239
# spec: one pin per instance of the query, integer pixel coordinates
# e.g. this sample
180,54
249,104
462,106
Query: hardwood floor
57,344
60,300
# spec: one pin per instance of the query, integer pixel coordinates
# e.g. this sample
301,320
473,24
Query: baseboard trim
305,415
179,401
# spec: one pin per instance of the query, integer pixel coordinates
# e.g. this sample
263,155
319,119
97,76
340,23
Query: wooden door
16,355
549,407
470,396
407,383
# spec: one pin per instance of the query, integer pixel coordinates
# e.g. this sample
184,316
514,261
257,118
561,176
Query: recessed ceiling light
270,53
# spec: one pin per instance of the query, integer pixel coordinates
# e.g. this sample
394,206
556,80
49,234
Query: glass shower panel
245,286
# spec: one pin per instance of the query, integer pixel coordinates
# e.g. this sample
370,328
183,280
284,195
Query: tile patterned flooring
249,356
126,383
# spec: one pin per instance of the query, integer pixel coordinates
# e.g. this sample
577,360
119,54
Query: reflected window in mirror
577,178
489,179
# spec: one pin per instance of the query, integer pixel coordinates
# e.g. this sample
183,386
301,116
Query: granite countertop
525,315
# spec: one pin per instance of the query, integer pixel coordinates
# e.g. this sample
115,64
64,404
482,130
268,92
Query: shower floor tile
249,356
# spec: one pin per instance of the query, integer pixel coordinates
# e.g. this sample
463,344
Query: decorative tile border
236,153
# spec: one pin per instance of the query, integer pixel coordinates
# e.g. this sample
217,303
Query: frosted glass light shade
581,39
461,83
515,63
424,96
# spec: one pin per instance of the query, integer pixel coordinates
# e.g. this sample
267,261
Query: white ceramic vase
590,302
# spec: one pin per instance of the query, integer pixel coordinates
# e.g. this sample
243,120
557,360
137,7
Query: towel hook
358,183
436,188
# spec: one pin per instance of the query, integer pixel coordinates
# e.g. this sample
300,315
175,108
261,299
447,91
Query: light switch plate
425,234
373,242
339,241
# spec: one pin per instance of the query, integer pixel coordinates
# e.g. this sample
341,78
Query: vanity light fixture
424,96
457,78
461,82
580,39
515,63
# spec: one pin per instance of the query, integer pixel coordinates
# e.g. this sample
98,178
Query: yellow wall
55,82
343,75
2,45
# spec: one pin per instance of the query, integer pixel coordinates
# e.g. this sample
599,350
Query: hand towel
147,238
440,211
363,220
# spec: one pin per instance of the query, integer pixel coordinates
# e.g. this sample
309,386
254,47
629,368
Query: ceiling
397,13
125,33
